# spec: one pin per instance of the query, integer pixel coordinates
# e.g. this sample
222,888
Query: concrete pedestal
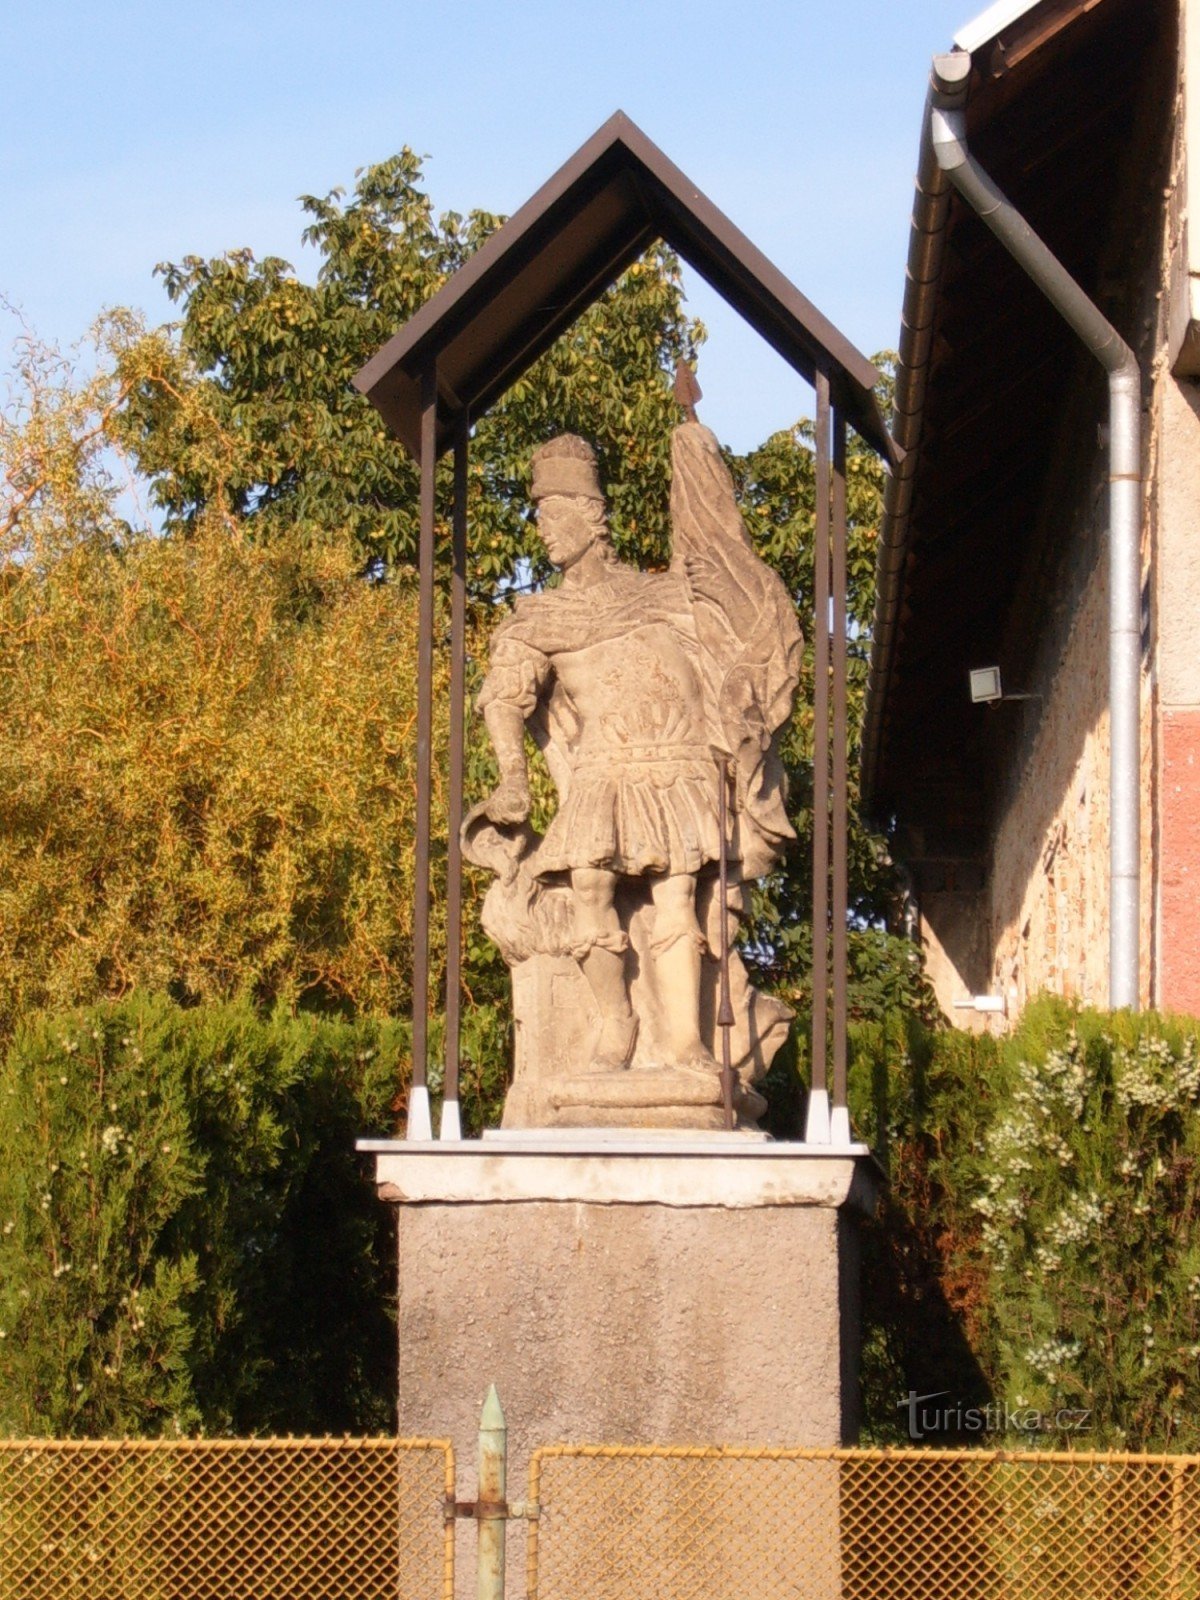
628,1288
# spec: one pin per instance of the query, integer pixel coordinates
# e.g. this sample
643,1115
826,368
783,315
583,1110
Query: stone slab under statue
647,693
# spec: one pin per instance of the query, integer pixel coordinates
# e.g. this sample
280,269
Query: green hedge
1038,1247
188,1242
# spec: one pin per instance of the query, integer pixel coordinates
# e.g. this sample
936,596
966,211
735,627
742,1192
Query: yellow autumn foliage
206,745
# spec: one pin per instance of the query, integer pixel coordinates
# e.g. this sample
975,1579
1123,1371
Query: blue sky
135,133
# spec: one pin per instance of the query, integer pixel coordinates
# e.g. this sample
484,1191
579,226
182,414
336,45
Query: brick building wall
1176,934
1049,882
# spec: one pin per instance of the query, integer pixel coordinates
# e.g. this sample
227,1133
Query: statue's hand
508,801
704,573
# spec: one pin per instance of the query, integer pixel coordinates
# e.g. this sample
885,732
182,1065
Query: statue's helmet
566,465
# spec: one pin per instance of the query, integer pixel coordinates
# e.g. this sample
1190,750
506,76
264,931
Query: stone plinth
631,1288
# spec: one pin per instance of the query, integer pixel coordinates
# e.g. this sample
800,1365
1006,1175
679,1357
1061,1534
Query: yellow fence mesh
269,1519
278,1519
617,1523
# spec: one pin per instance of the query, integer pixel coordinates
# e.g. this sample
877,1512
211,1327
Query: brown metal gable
551,260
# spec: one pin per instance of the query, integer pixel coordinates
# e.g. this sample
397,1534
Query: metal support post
451,1127
491,1511
839,1121
491,1508
419,1125
817,1123
725,1010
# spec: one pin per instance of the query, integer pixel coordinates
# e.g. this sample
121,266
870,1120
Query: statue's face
566,530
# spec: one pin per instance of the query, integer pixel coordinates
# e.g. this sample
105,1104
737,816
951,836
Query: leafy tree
205,771
250,409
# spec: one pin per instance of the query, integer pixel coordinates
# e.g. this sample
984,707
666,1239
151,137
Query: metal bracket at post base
491,1510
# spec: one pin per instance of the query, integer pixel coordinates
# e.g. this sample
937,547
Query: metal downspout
948,134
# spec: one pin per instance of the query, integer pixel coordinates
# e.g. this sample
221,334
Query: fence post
1176,1590
491,1509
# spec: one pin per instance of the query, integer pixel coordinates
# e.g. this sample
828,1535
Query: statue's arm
509,800
510,694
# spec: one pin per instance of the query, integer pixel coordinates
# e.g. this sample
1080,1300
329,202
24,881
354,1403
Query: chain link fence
615,1523
373,1519
238,1519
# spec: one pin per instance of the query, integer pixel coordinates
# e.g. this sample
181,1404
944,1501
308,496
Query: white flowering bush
1039,1246
1087,1190
187,1242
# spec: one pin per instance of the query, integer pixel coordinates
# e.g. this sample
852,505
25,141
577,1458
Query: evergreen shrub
1038,1245
188,1242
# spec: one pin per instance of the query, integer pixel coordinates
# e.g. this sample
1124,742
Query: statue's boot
605,973
677,978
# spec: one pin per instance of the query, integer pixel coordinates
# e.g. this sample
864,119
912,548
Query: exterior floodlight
985,685
988,1004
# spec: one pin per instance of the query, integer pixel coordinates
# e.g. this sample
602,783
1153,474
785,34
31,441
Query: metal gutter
948,137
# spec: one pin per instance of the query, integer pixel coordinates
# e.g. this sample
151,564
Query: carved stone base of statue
664,1098
557,1025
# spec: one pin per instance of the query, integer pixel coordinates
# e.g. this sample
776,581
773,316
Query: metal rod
948,136
448,1530
839,906
820,802
451,1127
418,1103
725,1011
533,1540
863,1453
490,1508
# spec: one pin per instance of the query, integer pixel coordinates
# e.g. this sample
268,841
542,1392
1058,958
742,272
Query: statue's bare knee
596,920
594,889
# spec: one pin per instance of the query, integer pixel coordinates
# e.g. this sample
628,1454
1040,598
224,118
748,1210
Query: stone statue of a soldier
646,692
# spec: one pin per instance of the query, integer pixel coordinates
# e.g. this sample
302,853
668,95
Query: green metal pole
491,1509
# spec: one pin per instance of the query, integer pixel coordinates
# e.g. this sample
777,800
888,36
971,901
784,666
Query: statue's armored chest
636,689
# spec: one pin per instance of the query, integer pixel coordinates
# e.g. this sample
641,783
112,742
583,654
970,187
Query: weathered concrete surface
641,1289
690,1170
667,1323
637,1324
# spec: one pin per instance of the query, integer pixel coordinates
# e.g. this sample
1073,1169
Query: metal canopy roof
551,260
